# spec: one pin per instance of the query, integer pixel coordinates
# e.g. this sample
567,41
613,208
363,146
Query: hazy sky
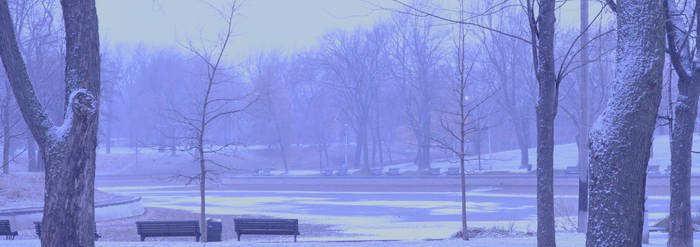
286,25
260,25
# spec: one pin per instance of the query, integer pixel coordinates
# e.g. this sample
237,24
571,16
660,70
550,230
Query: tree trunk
378,136
358,149
69,149
32,165
108,137
680,231
365,149
620,140
583,124
682,125
546,112
6,131
522,135
202,195
280,140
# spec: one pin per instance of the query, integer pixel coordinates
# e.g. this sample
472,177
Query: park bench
37,230
6,231
376,171
571,170
189,228
341,172
266,227
393,172
453,171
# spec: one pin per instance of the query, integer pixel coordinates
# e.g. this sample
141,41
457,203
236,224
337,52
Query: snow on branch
82,105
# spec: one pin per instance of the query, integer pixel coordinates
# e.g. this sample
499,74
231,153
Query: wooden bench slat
168,229
266,227
6,230
37,230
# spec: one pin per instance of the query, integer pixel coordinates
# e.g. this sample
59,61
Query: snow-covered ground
563,240
565,155
122,160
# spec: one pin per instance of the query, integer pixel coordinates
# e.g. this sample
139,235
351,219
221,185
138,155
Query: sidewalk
563,240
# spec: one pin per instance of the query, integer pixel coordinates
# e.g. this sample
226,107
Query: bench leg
239,237
143,238
197,238
295,238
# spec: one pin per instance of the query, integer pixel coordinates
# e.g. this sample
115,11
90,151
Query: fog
504,123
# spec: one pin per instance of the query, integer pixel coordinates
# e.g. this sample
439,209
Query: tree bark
6,130
680,229
108,133
202,190
583,125
620,140
682,126
523,144
68,150
32,165
546,112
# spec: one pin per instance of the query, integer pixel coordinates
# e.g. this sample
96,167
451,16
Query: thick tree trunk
583,125
682,125
620,140
680,229
70,181
546,112
68,150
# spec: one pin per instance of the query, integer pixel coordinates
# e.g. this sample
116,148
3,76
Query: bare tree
620,140
37,39
549,77
457,120
542,43
268,74
583,123
315,102
356,61
69,149
212,106
416,55
514,80
678,32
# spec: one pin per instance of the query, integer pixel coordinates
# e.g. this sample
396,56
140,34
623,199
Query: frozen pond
371,215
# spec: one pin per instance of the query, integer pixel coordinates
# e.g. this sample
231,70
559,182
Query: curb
114,201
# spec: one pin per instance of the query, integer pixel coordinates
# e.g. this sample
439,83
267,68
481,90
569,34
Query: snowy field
564,155
563,240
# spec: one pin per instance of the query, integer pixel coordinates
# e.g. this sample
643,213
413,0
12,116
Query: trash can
213,230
